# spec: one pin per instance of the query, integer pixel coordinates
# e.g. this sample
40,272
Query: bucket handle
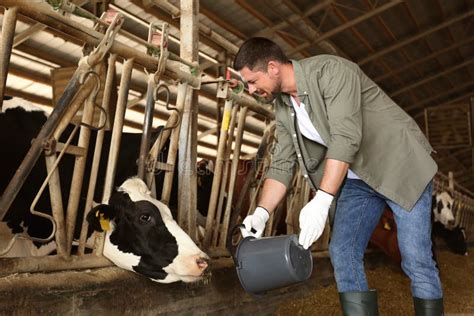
233,249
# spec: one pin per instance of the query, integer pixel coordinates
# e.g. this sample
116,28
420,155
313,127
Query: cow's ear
99,217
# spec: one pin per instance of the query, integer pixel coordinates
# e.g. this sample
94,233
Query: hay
457,276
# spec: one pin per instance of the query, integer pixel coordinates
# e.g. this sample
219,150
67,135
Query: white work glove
313,218
256,221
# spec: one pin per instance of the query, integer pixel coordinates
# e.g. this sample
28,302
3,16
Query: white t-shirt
308,130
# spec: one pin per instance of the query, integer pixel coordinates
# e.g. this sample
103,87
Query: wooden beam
424,59
415,37
437,96
464,97
250,9
29,74
326,45
26,34
294,18
28,96
347,25
219,21
45,55
432,77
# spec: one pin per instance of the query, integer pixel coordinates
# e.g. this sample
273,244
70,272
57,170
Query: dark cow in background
25,126
384,236
143,237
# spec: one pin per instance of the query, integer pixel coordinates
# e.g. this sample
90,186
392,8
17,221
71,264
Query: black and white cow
143,237
442,204
444,224
25,126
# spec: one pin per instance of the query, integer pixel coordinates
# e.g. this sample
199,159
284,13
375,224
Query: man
352,141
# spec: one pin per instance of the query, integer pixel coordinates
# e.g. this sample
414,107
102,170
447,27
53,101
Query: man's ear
273,68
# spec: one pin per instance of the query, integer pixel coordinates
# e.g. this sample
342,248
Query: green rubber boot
428,307
359,303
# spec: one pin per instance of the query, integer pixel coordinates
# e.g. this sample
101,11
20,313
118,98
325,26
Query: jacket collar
301,86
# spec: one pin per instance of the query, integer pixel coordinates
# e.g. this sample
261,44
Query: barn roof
420,52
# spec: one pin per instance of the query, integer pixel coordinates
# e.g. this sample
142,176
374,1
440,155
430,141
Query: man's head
259,61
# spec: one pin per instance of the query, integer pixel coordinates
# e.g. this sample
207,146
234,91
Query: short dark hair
256,52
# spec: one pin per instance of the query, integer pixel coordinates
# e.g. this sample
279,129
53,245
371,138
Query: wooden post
451,182
187,177
8,31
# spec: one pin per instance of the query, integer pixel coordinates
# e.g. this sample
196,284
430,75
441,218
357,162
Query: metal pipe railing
109,86
147,126
173,147
80,162
216,181
226,158
47,129
233,176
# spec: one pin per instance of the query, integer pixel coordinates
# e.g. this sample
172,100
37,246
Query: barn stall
101,63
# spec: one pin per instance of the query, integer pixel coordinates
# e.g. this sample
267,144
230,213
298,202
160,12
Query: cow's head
443,209
143,237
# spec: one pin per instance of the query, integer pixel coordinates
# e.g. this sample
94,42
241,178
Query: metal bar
117,129
203,29
233,176
187,176
51,263
156,148
226,158
216,181
115,141
8,32
36,147
26,34
41,12
80,164
57,206
109,86
147,126
173,147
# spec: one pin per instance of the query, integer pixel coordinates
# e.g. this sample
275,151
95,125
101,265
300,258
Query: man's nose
252,89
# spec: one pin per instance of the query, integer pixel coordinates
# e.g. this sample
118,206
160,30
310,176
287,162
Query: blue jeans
358,211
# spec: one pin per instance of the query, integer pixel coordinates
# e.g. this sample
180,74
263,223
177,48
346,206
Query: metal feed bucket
268,263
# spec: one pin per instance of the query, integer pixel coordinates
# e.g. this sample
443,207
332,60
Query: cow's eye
144,218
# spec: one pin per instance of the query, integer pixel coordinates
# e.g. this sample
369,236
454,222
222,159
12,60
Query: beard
274,91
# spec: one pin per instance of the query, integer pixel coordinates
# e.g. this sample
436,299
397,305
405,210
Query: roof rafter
349,24
432,77
415,38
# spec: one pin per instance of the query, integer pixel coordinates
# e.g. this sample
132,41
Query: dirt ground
457,276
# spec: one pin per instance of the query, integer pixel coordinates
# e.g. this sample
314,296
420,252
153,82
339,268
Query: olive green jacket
360,124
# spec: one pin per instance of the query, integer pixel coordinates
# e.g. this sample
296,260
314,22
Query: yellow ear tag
104,223
387,226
